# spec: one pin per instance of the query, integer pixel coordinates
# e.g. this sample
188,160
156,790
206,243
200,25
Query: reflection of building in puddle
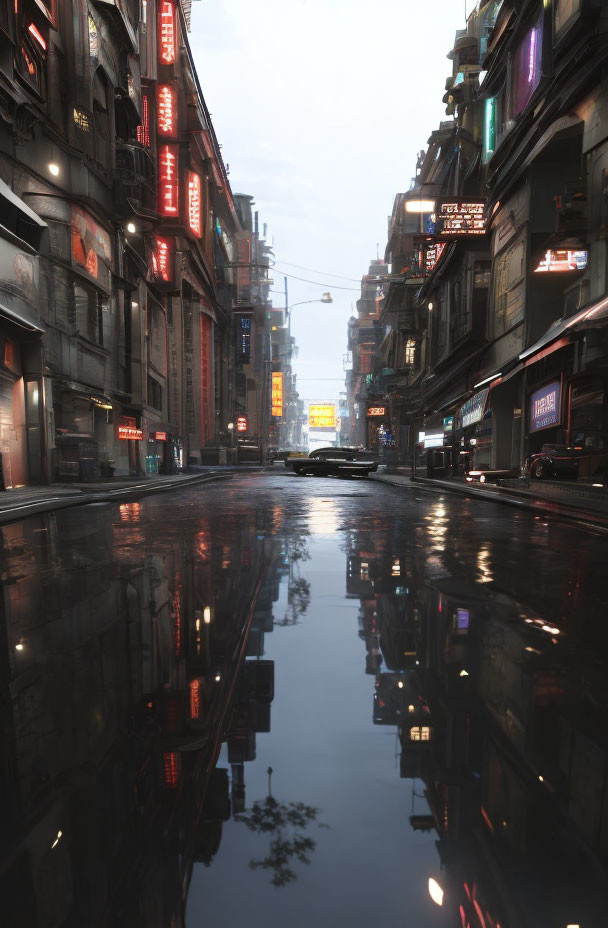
323,516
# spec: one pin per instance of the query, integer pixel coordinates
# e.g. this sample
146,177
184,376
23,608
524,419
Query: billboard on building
322,416
460,218
545,407
277,394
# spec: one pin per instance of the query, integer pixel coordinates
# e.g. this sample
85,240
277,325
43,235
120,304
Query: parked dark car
553,461
334,461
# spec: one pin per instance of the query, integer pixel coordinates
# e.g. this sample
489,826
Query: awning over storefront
21,319
19,218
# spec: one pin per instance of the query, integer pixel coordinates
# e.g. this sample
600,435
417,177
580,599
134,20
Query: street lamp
324,298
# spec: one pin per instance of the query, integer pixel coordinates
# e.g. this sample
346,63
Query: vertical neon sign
168,187
161,267
166,32
194,203
166,109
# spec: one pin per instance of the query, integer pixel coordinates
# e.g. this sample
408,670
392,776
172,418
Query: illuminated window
420,733
93,38
364,570
410,352
81,119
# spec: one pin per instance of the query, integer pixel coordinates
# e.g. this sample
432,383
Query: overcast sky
321,107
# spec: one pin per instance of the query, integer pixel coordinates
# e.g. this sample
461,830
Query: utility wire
313,270
320,283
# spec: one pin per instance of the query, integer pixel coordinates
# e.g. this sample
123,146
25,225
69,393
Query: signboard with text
277,394
545,407
376,411
322,416
473,409
457,218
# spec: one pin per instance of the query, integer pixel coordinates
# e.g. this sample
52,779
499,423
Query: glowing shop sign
562,261
166,109
195,699
160,436
376,410
194,203
473,410
160,259
241,423
460,218
166,32
130,433
322,416
143,130
277,394
168,189
432,254
544,407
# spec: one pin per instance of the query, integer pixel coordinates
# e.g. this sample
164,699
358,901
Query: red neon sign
130,433
160,436
171,763
195,699
194,203
241,423
34,32
168,190
166,32
166,107
160,259
143,131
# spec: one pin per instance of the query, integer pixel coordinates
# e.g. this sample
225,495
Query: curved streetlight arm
326,298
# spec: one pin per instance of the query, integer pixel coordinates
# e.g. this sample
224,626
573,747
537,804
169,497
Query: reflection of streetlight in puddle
323,516
483,556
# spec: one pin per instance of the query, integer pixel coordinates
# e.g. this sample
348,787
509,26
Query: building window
565,13
526,68
101,119
420,733
509,286
32,58
245,340
155,394
410,352
89,305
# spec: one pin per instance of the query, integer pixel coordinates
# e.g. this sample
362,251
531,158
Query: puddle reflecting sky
425,679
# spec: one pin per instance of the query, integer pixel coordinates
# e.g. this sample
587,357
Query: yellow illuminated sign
277,394
322,416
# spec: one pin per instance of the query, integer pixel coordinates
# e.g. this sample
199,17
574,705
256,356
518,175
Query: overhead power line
320,283
314,270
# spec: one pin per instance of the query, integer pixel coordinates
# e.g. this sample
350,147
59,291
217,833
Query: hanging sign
473,409
376,410
166,32
322,416
168,189
241,423
277,394
460,218
194,203
166,110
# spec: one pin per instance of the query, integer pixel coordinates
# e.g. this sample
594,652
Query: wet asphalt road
438,711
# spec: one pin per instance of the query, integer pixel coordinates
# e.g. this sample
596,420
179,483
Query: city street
279,700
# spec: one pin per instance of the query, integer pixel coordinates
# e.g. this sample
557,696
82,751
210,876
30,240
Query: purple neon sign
545,407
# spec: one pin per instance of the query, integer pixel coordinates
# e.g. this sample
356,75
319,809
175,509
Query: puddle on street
302,705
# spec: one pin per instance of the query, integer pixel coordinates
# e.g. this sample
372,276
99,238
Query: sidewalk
578,502
26,501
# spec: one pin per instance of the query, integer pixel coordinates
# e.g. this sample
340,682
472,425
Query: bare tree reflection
298,588
286,822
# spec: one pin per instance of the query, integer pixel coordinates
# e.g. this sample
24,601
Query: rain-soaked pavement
419,712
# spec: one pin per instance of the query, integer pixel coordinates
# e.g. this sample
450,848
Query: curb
581,517
25,509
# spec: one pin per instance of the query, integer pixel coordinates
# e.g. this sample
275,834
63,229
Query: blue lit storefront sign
545,407
473,410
